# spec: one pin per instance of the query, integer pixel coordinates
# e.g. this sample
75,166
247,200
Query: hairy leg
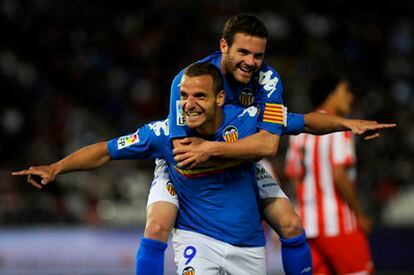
281,216
161,217
160,220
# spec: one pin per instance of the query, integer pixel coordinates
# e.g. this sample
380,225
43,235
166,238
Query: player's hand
38,176
368,128
192,152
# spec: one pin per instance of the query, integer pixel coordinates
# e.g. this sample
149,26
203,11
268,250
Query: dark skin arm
348,193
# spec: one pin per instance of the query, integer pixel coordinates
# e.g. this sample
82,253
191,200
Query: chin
193,125
243,79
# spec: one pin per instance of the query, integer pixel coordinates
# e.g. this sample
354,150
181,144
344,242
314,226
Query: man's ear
220,98
223,45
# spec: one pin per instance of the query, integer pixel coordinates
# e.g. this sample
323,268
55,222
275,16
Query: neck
223,64
210,128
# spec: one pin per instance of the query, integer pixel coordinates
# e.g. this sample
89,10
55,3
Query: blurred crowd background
76,72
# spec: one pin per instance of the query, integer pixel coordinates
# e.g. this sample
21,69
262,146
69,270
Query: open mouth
245,71
192,116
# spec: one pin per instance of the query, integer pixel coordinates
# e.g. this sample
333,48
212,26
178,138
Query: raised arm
86,158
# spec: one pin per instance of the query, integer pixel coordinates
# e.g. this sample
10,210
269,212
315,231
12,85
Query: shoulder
232,112
241,117
158,128
211,57
270,84
268,75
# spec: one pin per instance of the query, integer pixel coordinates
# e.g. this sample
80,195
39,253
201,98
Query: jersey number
189,253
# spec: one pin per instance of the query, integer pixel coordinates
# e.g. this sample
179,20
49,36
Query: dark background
74,73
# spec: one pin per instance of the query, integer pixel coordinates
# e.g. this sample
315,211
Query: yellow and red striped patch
201,172
275,113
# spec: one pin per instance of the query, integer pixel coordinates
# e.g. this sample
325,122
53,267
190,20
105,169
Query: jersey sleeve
273,113
295,124
246,121
343,149
142,144
176,116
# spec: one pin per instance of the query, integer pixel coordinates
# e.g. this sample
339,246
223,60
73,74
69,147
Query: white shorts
199,254
268,186
163,190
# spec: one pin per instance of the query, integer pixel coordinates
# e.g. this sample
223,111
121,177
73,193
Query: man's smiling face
242,58
200,102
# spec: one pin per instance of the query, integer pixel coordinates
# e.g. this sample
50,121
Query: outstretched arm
86,158
320,124
195,151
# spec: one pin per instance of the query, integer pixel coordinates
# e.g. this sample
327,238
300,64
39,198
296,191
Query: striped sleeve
275,113
343,149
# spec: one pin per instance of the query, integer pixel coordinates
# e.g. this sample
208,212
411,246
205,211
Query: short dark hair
243,23
205,68
322,86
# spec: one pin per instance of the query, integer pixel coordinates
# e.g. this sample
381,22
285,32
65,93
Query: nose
249,60
189,103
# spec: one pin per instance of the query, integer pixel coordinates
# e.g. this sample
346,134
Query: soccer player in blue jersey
218,227
248,81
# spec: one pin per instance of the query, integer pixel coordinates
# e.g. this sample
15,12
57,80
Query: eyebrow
244,50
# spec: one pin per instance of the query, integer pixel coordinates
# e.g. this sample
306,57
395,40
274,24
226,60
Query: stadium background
74,72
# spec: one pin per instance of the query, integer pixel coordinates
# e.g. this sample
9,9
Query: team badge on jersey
230,134
189,270
246,97
128,140
171,189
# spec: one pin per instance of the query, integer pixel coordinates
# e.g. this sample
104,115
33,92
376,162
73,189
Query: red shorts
342,254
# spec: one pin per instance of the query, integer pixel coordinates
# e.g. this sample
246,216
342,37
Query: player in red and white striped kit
323,168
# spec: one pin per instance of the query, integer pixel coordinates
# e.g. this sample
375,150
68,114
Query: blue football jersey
264,91
220,202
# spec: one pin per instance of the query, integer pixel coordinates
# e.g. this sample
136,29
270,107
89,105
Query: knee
291,226
157,230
